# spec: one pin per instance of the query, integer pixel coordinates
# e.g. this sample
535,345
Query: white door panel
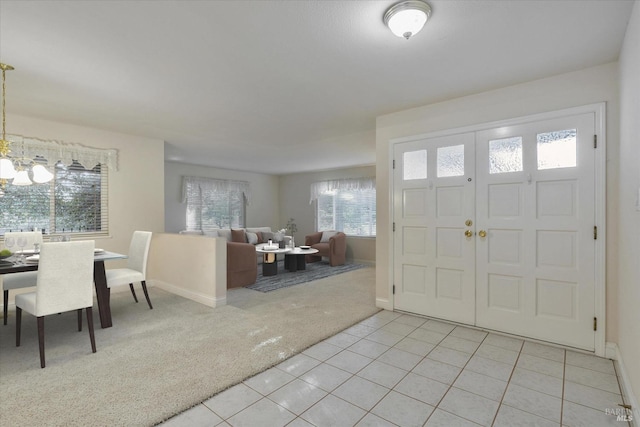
528,192
433,197
535,267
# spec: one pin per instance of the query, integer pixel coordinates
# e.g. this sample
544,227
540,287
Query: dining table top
10,265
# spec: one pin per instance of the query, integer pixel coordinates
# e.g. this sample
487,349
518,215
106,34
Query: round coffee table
269,259
294,260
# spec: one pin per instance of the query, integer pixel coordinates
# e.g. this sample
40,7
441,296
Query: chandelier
18,170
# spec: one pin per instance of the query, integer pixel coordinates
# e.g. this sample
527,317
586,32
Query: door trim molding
599,111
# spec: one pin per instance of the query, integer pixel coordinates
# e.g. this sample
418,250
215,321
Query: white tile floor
400,370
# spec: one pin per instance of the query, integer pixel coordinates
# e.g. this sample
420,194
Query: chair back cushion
65,277
32,237
139,251
327,235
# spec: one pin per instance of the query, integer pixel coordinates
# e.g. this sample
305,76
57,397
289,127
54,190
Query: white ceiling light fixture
407,18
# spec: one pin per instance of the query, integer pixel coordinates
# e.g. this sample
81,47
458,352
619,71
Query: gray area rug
153,364
285,278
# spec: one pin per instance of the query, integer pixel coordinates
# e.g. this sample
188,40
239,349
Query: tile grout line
564,379
504,393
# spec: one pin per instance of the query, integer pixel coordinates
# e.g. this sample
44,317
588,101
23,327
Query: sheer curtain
348,184
214,203
347,205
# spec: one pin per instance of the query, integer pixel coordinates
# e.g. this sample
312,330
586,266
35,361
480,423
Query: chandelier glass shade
21,170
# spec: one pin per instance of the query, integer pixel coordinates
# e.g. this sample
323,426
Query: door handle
468,233
482,233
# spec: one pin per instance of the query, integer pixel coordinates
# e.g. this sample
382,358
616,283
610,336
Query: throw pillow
259,234
326,235
266,236
225,233
238,236
252,238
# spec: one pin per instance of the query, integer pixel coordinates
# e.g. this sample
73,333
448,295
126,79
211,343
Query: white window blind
347,205
76,200
214,203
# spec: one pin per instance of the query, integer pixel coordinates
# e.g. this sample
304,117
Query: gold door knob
482,233
468,233
468,223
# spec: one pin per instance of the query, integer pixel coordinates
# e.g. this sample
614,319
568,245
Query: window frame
51,228
337,190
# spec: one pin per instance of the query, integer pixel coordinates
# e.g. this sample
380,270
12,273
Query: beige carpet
155,363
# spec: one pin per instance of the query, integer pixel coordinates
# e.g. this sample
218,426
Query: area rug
313,271
153,364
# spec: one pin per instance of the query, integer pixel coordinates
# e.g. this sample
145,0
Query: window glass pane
350,211
25,207
75,201
209,207
451,161
505,155
557,149
414,165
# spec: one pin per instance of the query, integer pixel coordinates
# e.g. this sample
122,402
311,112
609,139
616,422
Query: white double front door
495,228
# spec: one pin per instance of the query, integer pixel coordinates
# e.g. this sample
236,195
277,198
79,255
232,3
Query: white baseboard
613,352
194,296
384,303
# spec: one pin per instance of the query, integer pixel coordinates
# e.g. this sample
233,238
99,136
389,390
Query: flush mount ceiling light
407,18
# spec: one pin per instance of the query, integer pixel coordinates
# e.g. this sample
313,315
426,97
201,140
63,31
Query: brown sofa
242,265
335,248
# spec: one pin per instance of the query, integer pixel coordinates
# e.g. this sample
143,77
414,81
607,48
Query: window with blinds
214,203
75,201
352,211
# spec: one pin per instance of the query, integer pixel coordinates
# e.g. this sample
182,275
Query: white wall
295,191
263,210
136,189
583,87
628,217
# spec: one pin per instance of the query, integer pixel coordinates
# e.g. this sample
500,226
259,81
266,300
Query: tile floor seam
564,379
508,382
455,379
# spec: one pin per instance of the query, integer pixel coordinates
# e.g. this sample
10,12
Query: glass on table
22,242
9,243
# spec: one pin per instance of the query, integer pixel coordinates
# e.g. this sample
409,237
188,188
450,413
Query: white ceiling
280,86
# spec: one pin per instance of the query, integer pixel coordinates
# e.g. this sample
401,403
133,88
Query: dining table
103,293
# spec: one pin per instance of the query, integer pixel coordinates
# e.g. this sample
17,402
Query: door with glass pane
434,192
535,223
524,195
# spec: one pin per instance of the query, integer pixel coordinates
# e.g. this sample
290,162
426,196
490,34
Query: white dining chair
19,280
64,283
136,270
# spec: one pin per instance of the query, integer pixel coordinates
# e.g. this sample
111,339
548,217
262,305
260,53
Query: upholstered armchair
331,244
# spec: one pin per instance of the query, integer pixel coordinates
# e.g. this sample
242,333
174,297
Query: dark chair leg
41,339
18,325
6,304
90,325
133,292
146,294
79,320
